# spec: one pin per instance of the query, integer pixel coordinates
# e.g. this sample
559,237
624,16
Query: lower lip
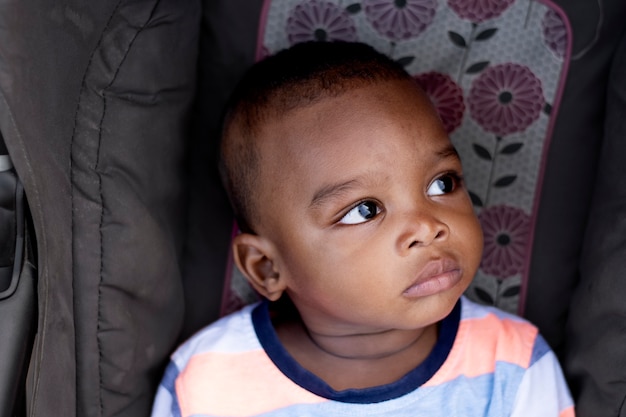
434,285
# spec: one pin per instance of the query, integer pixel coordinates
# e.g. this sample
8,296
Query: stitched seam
83,88
101,194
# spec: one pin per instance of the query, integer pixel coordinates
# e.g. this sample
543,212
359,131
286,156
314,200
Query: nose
422,229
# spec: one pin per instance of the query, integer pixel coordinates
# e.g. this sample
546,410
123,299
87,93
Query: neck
357,360
369,346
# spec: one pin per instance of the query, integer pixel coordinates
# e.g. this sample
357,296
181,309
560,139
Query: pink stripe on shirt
213,383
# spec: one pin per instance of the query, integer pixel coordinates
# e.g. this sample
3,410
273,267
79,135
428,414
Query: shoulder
504,336
506,364
199,355
230,334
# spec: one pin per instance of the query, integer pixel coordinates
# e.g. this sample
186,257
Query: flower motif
506,231
554,33
506,98
477,11
446,96
400,19
317,20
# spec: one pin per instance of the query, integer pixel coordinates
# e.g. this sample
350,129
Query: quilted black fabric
95,103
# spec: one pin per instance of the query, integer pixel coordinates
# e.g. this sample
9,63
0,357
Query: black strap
11,224
17,290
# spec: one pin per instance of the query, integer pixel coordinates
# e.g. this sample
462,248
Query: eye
444,184
361,213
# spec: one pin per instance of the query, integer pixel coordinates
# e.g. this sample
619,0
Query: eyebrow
447,152
331,191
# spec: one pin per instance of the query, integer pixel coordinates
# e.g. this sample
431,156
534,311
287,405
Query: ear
254,256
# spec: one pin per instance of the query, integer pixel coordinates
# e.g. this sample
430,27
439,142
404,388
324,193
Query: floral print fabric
400,20
447,97
319,21
505,99
478,11
494,71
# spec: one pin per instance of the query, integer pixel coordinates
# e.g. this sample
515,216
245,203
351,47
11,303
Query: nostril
423,234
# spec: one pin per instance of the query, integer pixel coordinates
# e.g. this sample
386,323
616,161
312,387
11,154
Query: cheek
473,236
301,260
331,265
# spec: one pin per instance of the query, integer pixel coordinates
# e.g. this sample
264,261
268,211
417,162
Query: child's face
361,200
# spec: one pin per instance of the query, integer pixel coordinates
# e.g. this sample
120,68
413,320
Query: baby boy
358,232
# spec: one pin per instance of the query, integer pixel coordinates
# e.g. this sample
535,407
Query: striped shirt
485,363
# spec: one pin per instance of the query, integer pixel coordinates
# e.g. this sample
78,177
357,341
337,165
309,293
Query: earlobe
254,256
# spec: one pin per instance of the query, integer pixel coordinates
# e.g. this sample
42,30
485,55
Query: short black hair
292,78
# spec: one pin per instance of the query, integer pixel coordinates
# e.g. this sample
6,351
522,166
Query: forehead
331,137
350,118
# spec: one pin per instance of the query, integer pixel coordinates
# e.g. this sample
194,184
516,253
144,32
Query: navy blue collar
307,380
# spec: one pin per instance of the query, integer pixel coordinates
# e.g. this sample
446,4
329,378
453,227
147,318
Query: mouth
437,276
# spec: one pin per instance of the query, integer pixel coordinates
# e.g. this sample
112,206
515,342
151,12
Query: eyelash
377,210
349,217
457,181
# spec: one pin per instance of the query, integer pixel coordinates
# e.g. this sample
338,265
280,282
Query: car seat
111,111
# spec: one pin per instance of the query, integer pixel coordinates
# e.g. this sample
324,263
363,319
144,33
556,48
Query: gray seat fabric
595,358
95,103
571,167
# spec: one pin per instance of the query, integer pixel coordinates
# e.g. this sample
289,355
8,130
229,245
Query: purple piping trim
262,23
542,166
